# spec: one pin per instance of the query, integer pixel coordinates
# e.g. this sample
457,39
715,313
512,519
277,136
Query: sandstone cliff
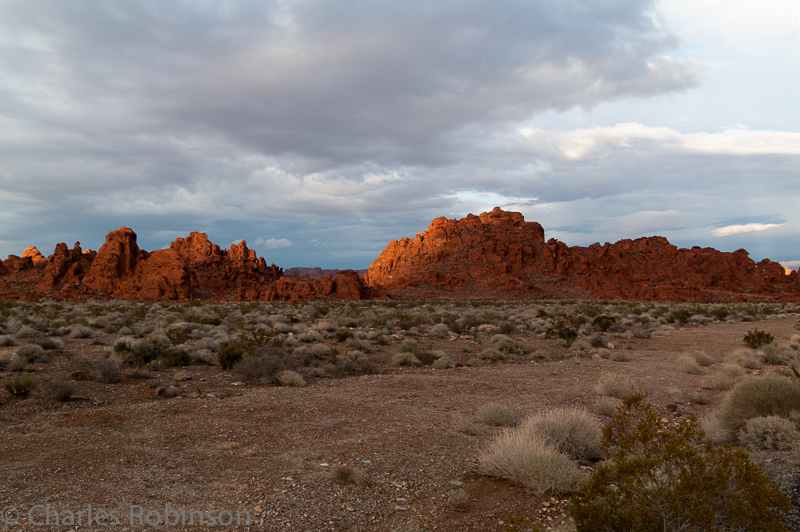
499,254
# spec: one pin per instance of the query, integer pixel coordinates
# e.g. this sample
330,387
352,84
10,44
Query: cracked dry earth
222,446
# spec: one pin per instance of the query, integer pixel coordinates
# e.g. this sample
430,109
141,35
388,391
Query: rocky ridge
191,268
499,254
494,255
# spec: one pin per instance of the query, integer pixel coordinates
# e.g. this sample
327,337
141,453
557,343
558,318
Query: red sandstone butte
499,254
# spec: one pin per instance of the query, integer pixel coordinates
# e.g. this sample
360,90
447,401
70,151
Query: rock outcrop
191,268
499,254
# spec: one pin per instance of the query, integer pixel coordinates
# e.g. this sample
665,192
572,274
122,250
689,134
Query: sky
320,130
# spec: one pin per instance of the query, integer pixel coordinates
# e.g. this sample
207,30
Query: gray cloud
350,122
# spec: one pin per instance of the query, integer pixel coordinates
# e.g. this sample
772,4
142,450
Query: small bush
606,407
20,386
615,385
344,475
769,395
775,355
603,322
289,378
526,460
563,330
769,433
491,355
26,331
440,330
498,415
701,358
343,334
756,338
62,391
660,477
175,357
355,360
7,341
108,370
259,368
31,353
689,365
745,358
725,379
570,431
506,344
229,355
81,332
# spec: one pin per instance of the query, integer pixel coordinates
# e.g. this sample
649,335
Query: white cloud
273,243
744,228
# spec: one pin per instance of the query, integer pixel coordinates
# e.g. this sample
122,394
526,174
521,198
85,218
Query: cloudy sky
319,130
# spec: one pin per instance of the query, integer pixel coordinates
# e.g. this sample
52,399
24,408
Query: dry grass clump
81,332
522,458
109,370
615,385
20,385
289,378
769,433
701,358
746,358
606,406
769,395
31,353
775,355
355,361
724,379
61,391
259,368
569,430
405,358
688,365
498,415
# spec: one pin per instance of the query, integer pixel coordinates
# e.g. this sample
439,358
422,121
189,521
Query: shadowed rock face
191,267
499,254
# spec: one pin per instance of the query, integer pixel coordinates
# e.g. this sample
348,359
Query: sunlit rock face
499,254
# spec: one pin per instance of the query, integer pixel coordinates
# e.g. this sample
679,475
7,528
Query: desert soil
222,445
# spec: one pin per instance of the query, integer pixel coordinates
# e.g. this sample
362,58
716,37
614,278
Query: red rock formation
17,264
65,266
35,256
498,254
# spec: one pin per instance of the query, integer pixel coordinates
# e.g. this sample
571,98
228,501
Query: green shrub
20,385
561,329
604,322
62,391
756,338
405,358
658,477
681,315
260,368
228,355
175,357
31,353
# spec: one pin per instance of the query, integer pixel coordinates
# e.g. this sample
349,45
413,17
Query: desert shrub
359,345
109,370
229,354
498,415
569,430
681,315
745,358
289,378
724,379
356,361
597,341
700,398
603,322
443,362
405,358
440,330
260,368
343,334
769,395
100,322
769,433
660,477
31,353
506,344
61,391
606,407
310,336
178,334
774,355
524,459
47,343
174,357
81,331
756,338
26,331
615,385
20,385
491,355
701,358
689,365
563,330
7,341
